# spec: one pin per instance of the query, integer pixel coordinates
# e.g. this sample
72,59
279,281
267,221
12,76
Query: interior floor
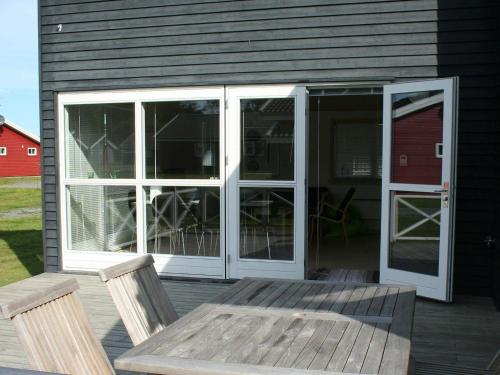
344,174
361,252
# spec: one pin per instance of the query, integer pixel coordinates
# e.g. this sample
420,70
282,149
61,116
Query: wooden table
264,326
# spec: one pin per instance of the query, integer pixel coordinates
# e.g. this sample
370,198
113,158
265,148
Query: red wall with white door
17,162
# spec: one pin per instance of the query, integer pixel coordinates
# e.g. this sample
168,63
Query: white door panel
418,186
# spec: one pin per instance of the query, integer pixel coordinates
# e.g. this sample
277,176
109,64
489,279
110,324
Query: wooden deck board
465,333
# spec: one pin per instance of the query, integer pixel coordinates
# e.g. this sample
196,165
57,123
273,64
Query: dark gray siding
478,147
151,43
495,248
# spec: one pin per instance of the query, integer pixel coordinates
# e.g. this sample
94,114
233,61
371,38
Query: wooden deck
465,333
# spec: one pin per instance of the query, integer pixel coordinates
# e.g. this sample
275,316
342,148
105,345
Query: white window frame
34,151
3,150
173,265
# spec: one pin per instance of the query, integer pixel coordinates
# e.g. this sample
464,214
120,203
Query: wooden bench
139,297
55,332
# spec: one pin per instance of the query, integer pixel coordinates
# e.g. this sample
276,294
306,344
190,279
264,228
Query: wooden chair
17,371
56,333
339,217
139,297
425,368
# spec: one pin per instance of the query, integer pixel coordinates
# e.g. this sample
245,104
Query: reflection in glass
182,139
99,141
417,133
267,139
266,223
102,218
415,232
183,220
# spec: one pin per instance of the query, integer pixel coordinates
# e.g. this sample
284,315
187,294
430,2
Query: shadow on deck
465,333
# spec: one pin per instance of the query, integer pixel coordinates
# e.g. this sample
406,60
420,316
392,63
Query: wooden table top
266,326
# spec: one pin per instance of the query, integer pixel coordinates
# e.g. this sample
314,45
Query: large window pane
100,141
266,223
183,220
267,139
415,232
182,139
102,218
417,137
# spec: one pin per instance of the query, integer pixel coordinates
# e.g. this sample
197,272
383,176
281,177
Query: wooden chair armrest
333,207
328,219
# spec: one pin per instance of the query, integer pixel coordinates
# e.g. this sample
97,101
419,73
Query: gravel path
22,185
21,212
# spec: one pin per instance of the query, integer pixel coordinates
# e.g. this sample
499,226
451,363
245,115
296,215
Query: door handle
444,195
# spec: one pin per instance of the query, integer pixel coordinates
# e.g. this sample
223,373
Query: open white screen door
418,186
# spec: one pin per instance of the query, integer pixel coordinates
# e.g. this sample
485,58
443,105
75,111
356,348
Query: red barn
19,151
417,137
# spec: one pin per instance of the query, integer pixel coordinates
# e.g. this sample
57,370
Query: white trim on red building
21,130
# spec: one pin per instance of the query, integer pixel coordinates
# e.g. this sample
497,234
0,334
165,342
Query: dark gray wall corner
477,143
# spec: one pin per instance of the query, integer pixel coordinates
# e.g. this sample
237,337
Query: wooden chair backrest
56,333
343,206
139,297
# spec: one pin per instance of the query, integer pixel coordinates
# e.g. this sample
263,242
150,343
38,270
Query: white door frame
236,267
436,287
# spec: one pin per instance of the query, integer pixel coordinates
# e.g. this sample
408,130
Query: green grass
11,198
21,253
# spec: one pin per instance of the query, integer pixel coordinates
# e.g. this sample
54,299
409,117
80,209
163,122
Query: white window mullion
62,199
139,173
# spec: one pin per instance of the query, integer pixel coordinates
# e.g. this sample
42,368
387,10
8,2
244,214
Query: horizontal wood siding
158,43
495,247
478,152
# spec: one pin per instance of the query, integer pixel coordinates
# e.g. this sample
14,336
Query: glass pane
183,220
417,133
267,139
415,232
182,139
102,218
266,223
100,141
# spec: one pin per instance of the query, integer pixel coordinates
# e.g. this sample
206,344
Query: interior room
344,180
